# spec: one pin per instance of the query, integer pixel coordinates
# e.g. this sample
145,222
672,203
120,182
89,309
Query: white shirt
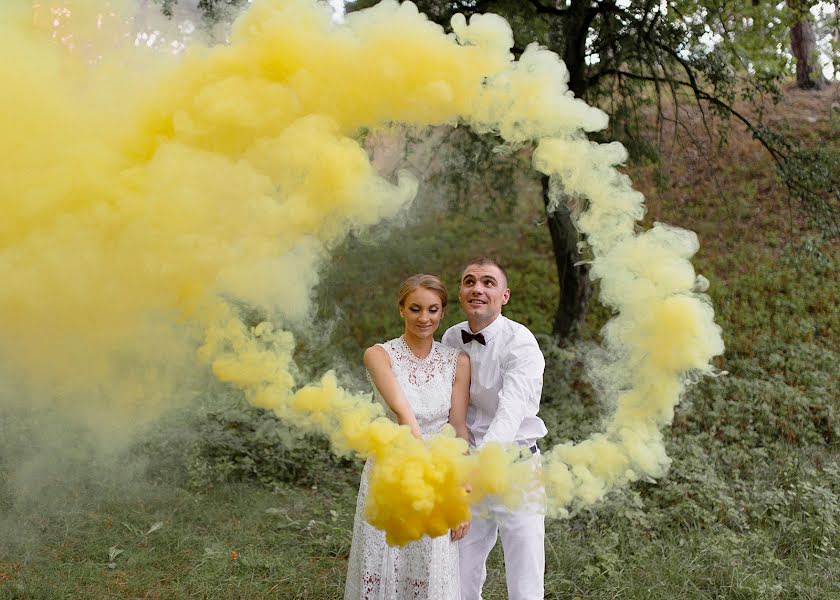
505,383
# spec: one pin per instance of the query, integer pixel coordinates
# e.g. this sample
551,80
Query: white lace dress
428,568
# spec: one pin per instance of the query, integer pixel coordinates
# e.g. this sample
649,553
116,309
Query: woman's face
422,312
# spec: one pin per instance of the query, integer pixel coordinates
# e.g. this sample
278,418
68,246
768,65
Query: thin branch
712,171
777,155
693,83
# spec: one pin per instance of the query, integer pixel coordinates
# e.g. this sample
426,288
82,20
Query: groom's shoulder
450,336
520,332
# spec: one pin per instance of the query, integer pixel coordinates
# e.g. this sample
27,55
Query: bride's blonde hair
422,280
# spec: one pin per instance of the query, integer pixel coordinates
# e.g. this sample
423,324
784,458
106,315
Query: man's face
482,294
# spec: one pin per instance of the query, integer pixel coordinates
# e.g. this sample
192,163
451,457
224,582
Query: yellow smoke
146,196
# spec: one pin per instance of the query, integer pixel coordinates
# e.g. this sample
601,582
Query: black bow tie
467,337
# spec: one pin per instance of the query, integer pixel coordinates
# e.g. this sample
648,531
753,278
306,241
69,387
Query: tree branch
778,156
547,10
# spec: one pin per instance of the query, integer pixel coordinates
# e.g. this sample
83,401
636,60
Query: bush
233,442
754,457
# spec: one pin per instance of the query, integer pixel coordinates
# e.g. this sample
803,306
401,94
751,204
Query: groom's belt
525,456
533,449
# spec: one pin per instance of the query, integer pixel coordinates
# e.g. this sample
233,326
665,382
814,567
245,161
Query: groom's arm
522,376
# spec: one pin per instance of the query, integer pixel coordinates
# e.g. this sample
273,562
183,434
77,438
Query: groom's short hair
483,261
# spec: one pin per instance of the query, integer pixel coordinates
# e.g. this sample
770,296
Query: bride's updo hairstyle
429,282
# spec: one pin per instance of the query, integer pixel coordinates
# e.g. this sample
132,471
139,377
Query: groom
506,370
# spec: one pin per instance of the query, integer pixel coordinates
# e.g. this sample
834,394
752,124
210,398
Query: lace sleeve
452,362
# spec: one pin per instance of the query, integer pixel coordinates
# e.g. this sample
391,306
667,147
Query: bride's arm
460,396
378,365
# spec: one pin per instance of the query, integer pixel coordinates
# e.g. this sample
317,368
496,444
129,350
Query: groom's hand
459,532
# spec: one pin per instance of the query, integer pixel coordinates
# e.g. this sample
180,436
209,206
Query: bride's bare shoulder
375,356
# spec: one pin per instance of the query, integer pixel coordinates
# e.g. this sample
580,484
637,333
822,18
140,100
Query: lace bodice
426,382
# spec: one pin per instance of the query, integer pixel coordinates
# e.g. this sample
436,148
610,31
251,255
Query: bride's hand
459,532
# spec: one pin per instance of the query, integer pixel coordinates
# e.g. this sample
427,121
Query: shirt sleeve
522,376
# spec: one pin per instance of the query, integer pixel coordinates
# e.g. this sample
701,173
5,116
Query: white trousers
523,544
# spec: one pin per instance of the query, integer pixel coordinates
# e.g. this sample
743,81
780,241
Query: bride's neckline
411,352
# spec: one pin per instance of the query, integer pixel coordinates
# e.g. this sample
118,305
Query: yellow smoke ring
145,194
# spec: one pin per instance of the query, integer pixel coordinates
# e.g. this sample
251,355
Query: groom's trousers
523,543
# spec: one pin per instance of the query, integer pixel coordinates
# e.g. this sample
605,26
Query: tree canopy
723,59
726,59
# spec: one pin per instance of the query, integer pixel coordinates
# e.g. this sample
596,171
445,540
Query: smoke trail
664,330
148,197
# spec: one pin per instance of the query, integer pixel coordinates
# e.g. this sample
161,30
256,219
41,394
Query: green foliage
754,486
215,9
231,442
212,10
476,173
811,171
167,7
785,300
632,59
356,297
245,444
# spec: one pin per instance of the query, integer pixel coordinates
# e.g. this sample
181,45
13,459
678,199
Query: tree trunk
803,44
575,28
835,40
569,40
575,286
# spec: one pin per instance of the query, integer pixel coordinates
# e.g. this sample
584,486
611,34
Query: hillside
225,502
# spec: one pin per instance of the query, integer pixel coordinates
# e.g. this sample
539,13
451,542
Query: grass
236,541
242,542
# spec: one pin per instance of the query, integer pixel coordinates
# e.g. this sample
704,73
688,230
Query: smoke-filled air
151,199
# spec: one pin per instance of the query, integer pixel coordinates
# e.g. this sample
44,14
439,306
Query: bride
424,385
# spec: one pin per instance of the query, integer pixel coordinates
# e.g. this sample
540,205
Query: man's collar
490,330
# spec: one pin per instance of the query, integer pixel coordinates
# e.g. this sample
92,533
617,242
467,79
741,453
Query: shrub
234,442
